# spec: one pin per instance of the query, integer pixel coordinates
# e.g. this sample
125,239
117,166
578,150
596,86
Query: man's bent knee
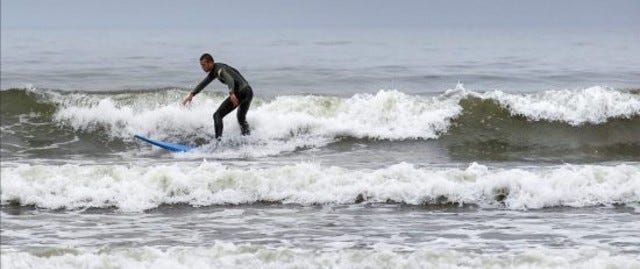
216,116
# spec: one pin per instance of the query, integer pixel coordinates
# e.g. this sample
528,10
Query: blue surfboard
165,145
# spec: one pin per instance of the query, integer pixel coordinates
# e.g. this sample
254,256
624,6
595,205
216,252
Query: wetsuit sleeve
210,77
228,79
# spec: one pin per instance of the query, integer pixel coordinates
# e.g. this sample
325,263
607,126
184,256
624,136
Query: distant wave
593,105
602,119
137,188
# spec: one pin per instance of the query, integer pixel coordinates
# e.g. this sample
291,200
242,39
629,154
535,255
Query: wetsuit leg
243,108
222,111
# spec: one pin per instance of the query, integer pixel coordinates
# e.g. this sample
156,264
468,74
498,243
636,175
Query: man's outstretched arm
210,77
199,88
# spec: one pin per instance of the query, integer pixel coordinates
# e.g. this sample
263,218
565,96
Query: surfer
240,93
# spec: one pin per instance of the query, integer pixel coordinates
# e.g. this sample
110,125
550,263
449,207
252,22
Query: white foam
390,115
229,255
385,115
280,125
592,105
140,187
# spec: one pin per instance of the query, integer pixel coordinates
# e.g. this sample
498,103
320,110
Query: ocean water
370,148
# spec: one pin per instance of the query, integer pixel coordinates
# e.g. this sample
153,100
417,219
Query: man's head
206,62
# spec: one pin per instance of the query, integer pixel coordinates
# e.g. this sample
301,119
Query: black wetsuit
238,86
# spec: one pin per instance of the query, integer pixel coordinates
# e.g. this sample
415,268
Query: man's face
207,66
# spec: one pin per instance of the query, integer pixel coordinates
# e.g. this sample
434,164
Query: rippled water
325,61
329,228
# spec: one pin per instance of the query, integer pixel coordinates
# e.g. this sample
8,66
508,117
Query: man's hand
233,99
187,99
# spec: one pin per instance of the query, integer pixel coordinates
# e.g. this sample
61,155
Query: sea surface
370,148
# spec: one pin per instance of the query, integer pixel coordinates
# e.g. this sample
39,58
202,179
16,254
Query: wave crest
585,122
144,187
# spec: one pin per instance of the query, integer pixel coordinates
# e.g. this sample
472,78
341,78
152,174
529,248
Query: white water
229,255
390,115
140,187
385,115
591,105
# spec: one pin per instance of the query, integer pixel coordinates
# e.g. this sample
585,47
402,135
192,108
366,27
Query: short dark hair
206,56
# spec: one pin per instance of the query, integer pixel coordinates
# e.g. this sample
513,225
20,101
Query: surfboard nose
165,145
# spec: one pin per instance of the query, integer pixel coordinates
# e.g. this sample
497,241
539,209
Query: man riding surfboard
240,93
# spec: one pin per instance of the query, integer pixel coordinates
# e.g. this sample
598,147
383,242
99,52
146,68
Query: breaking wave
596,119
137,188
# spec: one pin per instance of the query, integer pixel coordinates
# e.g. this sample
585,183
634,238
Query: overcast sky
301,13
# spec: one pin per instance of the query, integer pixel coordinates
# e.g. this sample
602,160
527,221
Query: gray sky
301,13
